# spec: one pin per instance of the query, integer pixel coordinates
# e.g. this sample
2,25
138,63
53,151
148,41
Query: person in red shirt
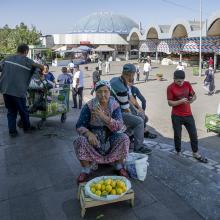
180,95
211,62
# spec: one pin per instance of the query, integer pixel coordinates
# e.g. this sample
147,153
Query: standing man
147,69
180,95
180,66
78,84
95,78
107,67
17,71
100,66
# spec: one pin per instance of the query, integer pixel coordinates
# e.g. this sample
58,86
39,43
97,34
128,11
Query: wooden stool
87,202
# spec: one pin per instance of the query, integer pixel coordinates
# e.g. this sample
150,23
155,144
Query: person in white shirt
147,69
100,66
107,67
77,88
180,66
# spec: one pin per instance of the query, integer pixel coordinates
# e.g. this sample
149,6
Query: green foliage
10,38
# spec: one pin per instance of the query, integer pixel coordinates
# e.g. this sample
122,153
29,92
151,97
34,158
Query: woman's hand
101,114
92,139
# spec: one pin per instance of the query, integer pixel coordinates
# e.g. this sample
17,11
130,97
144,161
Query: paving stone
27,207
4,210
155,211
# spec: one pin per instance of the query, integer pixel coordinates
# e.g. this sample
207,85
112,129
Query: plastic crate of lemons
107,188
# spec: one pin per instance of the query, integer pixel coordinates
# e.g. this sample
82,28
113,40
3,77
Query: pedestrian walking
147,69
95,78
209,81
77,89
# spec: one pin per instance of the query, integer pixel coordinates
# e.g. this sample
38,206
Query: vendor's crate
87,202
212,123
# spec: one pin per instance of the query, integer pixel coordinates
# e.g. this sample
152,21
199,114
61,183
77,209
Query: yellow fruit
103,187
98,193
108,188
93,190
104,193
101,182
108,182
119,184
113,184
124,189
98,186
113,192
118,191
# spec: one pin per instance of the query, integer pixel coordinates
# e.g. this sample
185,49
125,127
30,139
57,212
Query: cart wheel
63,117
40,124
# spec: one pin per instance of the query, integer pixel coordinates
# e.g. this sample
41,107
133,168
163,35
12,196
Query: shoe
143,150
83,177
147,134
13,134
123,172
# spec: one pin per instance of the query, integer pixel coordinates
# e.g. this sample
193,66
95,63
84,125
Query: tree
11,38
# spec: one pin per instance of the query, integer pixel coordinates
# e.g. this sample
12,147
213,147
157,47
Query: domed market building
105,32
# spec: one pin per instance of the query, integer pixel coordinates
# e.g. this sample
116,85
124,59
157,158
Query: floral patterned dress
113,144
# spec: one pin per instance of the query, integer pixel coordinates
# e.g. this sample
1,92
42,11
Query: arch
134,35
152,32
213,26
180,29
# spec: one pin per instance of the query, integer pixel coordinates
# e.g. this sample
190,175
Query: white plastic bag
136,165
218,111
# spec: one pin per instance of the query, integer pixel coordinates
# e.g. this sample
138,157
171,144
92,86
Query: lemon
98,186
113,192
98,193
101,182
119,191
92,185
113,184
108,182
124,189
119,184
93,190
103,187
108,188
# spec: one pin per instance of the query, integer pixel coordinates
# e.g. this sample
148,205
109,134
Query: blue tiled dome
104,22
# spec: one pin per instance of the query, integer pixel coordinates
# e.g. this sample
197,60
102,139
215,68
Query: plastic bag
136,164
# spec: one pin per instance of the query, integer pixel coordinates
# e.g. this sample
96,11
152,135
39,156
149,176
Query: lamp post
200,41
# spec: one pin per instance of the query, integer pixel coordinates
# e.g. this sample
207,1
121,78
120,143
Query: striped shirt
120,91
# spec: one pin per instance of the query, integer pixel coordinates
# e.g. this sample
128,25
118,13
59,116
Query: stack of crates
212,123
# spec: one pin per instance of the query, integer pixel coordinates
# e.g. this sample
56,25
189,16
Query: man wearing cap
180,95
120,90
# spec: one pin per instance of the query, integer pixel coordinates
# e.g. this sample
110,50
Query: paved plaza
38,171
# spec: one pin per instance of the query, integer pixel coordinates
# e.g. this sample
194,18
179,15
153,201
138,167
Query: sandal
201,159
147,134
123,172
82,178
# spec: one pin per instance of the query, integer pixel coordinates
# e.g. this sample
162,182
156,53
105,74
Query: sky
52,16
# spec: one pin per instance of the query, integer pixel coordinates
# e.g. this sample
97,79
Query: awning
148,46
104,48
169,46
84,48
209,44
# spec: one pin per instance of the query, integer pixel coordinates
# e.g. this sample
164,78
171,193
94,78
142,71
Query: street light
200,41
